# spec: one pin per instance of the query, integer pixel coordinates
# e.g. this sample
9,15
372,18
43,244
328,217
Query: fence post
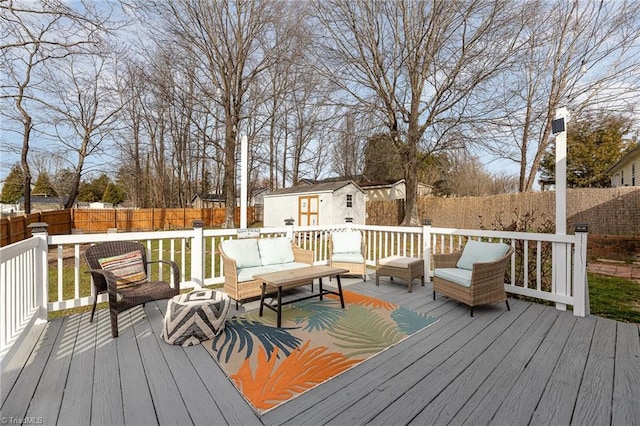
289,224
39,230
426,248
581,306
197,254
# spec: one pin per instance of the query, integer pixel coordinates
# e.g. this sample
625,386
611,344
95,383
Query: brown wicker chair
123,298
487,280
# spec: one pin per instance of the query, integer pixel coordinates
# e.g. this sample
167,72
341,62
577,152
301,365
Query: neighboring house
100,205
384,191
394,189
9,208
207,201
257,196
40,203
316,204
625,172
257,201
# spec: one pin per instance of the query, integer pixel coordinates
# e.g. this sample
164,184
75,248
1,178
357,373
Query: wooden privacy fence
16,228
63,222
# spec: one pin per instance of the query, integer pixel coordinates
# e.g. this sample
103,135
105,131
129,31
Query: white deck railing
47,273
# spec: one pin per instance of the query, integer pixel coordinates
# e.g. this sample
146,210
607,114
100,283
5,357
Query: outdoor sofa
244,258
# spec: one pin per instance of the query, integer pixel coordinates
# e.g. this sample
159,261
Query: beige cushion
398,261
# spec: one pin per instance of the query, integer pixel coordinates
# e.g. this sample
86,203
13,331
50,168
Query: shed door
308,206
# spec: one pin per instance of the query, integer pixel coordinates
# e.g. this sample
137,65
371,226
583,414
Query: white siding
332,207
277,209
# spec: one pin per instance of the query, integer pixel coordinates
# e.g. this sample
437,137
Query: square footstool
406,268
194,317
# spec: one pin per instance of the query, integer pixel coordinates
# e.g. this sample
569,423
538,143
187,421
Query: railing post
39,230
426,248
197,254
289,224
581,306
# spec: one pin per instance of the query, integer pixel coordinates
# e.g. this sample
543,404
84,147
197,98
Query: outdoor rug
317,341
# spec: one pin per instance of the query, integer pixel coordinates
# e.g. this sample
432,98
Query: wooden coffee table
292,278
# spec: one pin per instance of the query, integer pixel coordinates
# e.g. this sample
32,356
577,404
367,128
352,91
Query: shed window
633,174
349,200
622,178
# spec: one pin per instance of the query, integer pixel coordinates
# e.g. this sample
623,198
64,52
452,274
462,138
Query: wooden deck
532,365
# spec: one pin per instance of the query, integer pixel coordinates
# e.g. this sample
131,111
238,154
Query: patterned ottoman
194,317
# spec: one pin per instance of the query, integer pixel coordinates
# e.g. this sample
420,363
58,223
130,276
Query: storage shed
320,204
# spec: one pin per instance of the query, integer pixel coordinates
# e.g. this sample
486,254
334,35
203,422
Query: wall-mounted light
557,125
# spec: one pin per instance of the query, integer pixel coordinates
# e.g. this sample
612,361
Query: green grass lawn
614,298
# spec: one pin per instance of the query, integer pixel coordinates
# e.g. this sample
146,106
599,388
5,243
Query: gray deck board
21,395
523,397
168,401
626,384
15,365
593,405
76,399
489,395
533,364
106,395
455,395
137,404
423,380
558,399
47,397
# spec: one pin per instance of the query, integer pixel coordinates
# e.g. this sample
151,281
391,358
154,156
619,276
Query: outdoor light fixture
288,222
557,125
583,68
581,227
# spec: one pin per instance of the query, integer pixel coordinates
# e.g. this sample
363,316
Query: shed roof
320,187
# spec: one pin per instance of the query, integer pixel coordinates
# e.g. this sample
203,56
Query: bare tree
414,65
230,41
83,106
347,158
33,35
575,54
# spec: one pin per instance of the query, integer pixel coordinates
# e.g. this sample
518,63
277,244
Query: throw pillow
274,251
244,252
128,268
347,242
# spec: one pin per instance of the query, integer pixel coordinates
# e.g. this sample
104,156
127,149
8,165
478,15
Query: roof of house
381,184
44,199
208,197
318,187
635,151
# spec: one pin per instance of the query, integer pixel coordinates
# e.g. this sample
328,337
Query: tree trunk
25,164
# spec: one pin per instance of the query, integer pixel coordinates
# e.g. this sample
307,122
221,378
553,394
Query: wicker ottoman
406,268
194,317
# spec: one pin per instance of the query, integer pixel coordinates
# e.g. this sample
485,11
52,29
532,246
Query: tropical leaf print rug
317,341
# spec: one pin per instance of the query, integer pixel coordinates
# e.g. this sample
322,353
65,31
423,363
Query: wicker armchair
121,297
347,250
487,280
